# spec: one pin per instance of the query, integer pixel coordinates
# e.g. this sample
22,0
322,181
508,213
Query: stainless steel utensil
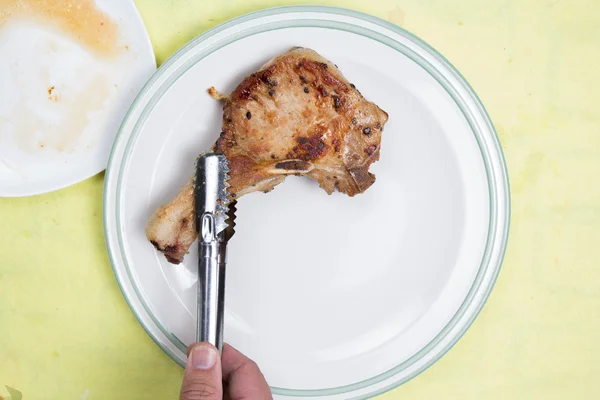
215,215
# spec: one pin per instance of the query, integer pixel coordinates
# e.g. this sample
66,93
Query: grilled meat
296,115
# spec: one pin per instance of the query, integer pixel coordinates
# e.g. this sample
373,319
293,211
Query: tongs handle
211,286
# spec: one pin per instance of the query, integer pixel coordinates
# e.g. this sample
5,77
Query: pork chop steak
296,115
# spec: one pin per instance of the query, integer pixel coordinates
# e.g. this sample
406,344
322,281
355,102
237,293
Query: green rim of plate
435,73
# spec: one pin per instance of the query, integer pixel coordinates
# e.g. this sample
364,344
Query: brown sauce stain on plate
80,19
95,32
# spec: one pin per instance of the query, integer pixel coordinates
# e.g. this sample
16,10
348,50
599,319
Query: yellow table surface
67,333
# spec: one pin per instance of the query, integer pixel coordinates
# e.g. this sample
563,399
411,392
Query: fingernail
203,357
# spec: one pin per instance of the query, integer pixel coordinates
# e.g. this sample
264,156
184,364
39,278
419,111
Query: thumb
202,379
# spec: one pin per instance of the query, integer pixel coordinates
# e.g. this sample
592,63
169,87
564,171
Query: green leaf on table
14,393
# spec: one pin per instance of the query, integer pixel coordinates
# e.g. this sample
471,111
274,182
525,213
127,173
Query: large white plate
332,296
61,104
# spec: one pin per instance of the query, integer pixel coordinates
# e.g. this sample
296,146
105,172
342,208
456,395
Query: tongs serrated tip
211,190
230,230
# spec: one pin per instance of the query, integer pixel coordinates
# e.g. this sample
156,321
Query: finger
244,379
202,379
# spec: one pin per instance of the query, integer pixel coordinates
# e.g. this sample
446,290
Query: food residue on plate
80,19
78,65
52,97
60,136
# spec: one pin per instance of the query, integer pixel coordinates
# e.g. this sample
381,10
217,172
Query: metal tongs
215,215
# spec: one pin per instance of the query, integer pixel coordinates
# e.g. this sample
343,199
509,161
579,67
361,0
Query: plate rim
493,232
44,188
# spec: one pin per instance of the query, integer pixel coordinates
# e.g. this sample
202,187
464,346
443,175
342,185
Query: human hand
232,376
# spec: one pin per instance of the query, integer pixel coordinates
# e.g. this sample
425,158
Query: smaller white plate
61,103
